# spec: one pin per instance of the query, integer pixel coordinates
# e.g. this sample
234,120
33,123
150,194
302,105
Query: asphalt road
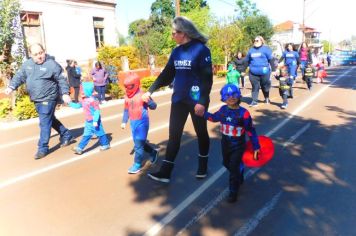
307,189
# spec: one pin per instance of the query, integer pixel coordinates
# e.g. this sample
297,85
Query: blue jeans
48,120
103,140
89,131
101,92
141,146
303,65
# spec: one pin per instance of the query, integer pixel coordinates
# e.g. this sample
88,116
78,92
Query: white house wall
68,27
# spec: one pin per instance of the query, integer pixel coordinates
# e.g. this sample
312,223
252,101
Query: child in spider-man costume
93,125
235,122
137,111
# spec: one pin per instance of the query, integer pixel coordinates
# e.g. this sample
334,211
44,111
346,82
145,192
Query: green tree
163,8
189,5
246,8
327,46
201,17
257,25
9,30
224,38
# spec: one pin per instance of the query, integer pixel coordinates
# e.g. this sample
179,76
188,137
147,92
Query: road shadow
302,170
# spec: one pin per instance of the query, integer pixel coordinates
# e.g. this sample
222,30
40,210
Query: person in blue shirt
290,58
190,67
235,122
260,62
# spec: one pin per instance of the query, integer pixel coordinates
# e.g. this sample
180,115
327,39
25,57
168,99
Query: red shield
265,155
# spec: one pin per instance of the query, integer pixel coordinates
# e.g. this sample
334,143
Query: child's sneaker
284,105
135,168
77,150
104,147
154,156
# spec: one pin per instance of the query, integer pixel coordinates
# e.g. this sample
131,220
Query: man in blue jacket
45,82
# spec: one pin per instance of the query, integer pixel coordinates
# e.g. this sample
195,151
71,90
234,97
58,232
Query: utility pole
177,7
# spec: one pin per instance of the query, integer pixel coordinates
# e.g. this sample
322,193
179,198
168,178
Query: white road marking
294,137
204,211
75,158
155,229
255,220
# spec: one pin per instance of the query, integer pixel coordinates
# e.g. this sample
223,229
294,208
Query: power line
228,3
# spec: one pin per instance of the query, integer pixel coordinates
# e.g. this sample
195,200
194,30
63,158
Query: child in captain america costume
93,123
137,111
235,123
285,84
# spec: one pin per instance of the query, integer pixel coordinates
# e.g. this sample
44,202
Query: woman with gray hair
260,62
190,67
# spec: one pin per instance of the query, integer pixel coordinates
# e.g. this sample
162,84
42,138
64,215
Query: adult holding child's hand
190,67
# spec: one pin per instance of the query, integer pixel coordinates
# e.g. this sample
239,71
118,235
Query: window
32,28
98,24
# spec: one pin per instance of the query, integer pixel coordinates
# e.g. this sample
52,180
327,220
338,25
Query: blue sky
328,16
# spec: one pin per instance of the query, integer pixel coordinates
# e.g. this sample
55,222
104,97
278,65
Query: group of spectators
98,74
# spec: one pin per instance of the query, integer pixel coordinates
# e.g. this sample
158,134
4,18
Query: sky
330,17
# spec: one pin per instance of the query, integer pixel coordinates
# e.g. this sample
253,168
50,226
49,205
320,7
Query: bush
221,73
25,109
115,91
111,56
5,107
146,82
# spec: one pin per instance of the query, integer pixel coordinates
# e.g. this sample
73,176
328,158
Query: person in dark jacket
190,67
260,62
241,67
45,82
73,78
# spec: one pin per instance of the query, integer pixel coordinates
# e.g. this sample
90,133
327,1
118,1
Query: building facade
69,29
291,32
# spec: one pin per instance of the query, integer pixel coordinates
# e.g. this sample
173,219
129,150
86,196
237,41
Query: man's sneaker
77,150
267,101
104,147
253,104
67,141
284,106
232,197
202,167
135,168
154,156
40,155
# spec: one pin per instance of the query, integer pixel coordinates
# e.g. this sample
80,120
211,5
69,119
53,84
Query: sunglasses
257,40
